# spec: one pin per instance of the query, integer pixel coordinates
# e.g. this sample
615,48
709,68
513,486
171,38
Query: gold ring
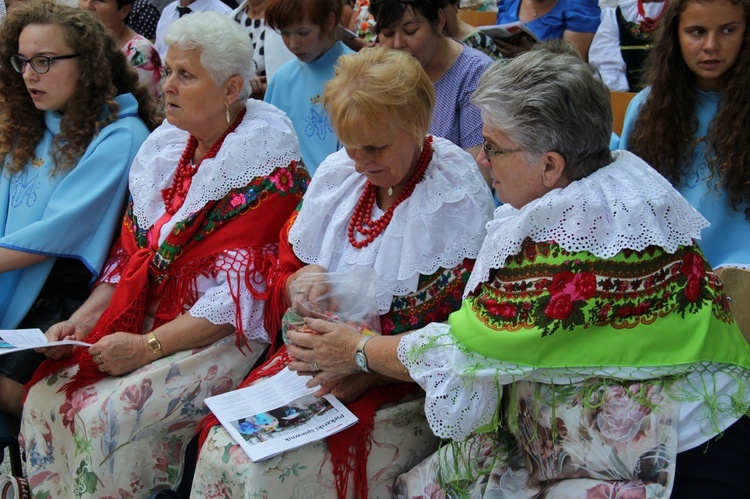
98,359
315,366
101,368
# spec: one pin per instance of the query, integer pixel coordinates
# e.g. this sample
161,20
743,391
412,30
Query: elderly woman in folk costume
408,206
178,315
595,354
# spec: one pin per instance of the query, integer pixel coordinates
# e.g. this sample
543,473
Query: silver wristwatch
359,357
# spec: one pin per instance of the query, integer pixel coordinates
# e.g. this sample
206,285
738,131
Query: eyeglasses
489,152
39,63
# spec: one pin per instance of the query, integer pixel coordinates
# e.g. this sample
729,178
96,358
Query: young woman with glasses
73,117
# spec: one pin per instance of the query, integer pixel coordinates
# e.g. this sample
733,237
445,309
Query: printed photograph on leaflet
282,421
278,414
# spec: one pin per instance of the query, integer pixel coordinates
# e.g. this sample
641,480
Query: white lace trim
463,388
625,205
263,141
438,226
216,303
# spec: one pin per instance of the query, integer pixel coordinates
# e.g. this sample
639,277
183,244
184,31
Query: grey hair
226,48
549,102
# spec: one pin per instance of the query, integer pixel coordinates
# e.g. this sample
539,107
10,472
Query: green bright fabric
549,308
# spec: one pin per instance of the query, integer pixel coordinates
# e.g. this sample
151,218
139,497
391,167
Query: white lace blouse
438,226
263,141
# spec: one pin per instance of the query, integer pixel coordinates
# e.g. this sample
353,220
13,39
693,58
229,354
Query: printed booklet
278,414
510,32
15,340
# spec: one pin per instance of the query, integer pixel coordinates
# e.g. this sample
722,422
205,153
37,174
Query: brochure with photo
510,32
278,414
15,340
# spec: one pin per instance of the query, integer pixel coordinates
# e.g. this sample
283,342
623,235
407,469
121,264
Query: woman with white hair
178,315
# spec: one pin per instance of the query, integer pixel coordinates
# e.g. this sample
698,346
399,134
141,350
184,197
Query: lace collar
438,226
625,205
263,141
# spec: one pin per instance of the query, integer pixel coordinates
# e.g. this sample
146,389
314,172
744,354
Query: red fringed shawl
350,448
246,218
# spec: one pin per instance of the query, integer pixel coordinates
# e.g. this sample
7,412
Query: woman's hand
65,330
258,86
332,351
80,323
300,296
121,353
352,387
510,50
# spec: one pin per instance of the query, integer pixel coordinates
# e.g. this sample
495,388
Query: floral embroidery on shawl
597,292
436,297
283,181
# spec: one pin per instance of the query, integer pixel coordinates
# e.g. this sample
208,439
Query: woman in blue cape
689,122
74,115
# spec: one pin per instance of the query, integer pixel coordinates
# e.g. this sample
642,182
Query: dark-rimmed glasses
39,63
490,152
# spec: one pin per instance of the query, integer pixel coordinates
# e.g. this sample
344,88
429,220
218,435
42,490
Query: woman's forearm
382,357
94,306
121,353
13,259
582,42
187,332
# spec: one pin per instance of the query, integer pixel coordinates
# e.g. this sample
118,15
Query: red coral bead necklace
362,223
175,195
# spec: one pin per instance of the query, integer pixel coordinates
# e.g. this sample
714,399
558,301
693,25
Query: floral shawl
585,358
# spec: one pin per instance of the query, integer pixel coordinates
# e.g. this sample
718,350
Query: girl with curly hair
73,116
690,122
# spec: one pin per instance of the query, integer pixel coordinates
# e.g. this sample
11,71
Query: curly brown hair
665,128
105,74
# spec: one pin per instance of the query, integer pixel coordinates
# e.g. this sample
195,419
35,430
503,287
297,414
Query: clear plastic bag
343,297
